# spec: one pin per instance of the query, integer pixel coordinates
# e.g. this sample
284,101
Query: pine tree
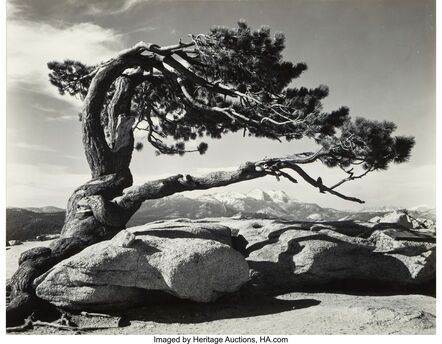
224,81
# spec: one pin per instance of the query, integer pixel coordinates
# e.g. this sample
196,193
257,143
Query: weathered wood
99,209
90,215
29,324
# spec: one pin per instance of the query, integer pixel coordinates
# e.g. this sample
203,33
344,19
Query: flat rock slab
194,260
410,236
284,255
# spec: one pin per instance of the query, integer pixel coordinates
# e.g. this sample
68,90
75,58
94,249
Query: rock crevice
195,260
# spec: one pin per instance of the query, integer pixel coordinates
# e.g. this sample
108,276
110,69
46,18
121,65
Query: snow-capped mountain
274,204
256,203
385,208
421,208
276,196
249,202
25,224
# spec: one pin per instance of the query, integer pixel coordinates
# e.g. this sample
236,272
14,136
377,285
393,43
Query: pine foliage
263,102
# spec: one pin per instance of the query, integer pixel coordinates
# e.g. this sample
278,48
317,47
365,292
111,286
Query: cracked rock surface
190,262
288,255
195,260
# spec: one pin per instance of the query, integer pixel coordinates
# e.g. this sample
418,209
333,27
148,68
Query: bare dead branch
29,324
134,196
351,177
320,186
91,314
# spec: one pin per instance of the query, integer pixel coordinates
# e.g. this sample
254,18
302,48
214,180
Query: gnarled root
82,229
63,324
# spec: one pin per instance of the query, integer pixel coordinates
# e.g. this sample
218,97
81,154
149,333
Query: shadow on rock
273,279
349,228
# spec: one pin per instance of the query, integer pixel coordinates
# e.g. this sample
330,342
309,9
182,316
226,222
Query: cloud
35,185
44,108
62,118
127,4
12,9
140,29
31,45
100,7
36,147
54,117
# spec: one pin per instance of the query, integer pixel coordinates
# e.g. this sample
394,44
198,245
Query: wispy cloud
36,147
141,29
128,4
61,118
12,9
106,7
44,108
55,114
35,185
31,45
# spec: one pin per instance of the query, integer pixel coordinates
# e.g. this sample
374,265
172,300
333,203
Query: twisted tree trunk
90,215
99,209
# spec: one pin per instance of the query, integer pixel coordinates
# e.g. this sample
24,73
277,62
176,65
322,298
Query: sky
376,56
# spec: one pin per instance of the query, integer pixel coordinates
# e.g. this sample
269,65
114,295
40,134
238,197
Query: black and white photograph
220,171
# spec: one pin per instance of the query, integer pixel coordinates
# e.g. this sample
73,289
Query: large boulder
423,225
190,261
398,218
195,260
290,255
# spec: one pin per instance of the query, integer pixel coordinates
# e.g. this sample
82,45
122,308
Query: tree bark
90,214
99,209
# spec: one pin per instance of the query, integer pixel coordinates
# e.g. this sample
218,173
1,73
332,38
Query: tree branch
351,177
320,186
156,49
134,196
185,72
30,324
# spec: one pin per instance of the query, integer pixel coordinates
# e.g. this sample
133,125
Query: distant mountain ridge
47,209
256,203
25,224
